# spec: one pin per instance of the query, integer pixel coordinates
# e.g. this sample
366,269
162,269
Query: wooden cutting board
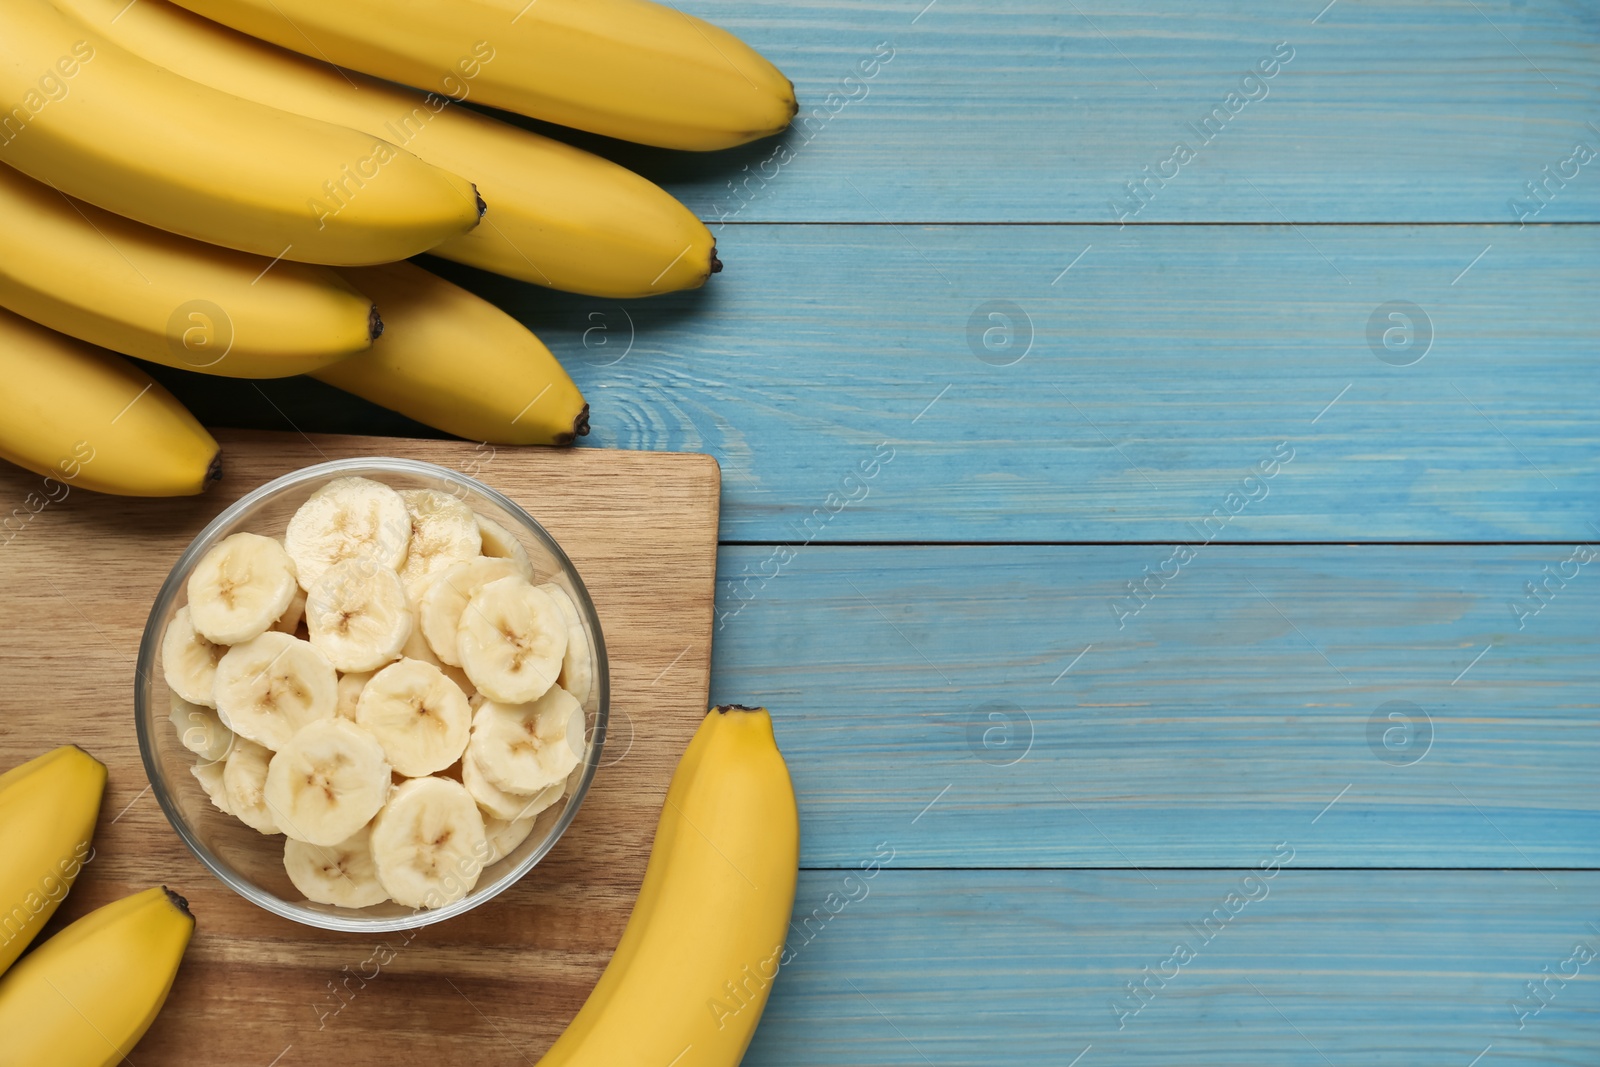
494,986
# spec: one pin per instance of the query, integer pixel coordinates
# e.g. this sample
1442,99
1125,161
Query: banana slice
210,777
343,874
524,748
327,782
272,685
347,519
240,588
577,666
499,543
189,661
244,776
443,531
512,640
428,843
200,730
500,803
418,715
446,597
350,686
417,647
294,614
357,615
504,837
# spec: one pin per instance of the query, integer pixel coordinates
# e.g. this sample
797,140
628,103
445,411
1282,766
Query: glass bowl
252,863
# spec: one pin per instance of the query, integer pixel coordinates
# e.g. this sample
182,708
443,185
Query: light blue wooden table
1176,567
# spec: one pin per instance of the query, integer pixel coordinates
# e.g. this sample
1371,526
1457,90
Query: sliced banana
327,782
446,597
244,775
524,748
189,661
294,614
501,804
512,640
350,686
343,874
428,843
349,518
504,837
417,647
499,543
418,715
443,531
239,588
357,615
272,685
200,730
577,666
211,779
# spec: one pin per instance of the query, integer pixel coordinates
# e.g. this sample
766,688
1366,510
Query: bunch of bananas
217,196
86,996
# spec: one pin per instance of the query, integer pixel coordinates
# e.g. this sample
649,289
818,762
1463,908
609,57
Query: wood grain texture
79,582
1251,692
1038,111
1322,969
1163,367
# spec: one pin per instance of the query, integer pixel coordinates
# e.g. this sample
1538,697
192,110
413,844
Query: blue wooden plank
1303,969
1033,110
1379,702
1165,365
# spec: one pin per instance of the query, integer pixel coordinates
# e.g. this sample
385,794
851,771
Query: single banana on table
97,122
454,361
631,69
144,292
558,216
691,975
85,997
48,810
84,417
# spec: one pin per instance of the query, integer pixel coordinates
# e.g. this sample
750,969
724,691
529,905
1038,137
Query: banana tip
374,324
723,709
716,264
177,902
482,207
213,472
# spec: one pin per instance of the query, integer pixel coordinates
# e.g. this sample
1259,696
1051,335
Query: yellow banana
691,975
454,361
148,293
84,417
558,216
48,808
85,997
626,68
96,122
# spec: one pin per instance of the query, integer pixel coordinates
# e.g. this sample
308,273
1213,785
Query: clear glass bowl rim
149,646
